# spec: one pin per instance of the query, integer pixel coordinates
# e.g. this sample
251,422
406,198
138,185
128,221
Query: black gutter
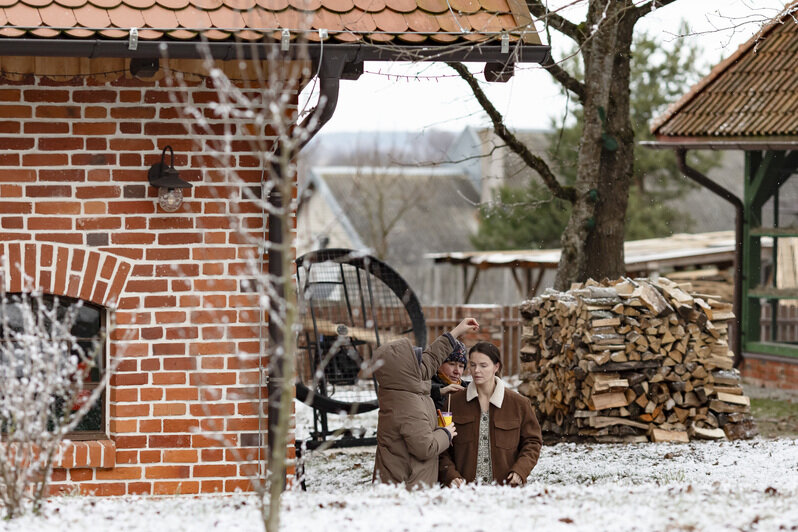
469,52
701,179
330,73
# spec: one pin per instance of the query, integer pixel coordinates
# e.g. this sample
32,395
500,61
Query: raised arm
434,355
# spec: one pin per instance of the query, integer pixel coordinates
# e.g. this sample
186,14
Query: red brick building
79,219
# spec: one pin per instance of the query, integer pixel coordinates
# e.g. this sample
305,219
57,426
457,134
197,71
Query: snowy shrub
43,396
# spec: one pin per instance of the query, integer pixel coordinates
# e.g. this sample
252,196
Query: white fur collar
498,392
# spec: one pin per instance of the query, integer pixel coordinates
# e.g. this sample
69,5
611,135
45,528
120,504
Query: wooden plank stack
632,360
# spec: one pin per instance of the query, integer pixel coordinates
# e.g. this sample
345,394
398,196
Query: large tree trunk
605,245
603,175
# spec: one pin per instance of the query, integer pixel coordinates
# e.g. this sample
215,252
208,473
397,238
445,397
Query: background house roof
754,92
346,21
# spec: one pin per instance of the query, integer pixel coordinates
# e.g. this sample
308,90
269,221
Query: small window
87,328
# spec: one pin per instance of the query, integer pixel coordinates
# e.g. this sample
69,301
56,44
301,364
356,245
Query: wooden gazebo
749,102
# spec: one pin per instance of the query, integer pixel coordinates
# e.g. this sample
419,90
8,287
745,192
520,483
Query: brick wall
78,217
771,371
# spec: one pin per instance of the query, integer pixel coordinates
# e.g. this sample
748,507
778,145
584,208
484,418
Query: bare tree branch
565,79
558,22
644,9
518,147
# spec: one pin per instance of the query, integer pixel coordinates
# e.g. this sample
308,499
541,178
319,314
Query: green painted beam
788,350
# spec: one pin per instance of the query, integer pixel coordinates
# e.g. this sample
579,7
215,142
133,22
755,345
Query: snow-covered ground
750,485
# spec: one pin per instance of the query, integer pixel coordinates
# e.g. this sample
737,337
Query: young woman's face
481,367
453,370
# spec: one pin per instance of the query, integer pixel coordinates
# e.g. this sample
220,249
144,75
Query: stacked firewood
632,360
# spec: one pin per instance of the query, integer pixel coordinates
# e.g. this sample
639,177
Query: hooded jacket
408,437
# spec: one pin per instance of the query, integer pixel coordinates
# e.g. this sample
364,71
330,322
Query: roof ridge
721,67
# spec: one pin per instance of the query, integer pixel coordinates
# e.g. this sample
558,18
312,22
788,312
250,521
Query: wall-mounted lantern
167,181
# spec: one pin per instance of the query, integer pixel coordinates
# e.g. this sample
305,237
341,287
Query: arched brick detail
86,274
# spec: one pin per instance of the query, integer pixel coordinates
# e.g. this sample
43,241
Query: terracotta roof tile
465,6
45,32
22,15
105,4
273,5
191,17
55,15
147,4
390,21
257,18
239,5
494,5
70,3
208,5
421,22
174,5
412,38
409,21
433,6
124,15
11,32
290,19
381,37
114,34
339,6
223,18
444,37
754,92
184,34
359,21
80,33
485,22
216,35
453,22
402,6
324,18
371,6
158,17
310,5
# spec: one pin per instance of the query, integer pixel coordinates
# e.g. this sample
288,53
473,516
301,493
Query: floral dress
484,466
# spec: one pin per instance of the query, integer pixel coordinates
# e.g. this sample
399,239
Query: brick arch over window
86,274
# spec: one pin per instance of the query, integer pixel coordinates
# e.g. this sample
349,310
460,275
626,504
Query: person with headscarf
409,439
449,378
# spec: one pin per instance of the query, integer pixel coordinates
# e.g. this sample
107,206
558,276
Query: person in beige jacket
408,437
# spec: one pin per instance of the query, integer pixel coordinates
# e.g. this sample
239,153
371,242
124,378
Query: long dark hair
490,351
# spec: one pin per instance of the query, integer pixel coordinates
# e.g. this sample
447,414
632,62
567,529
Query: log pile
632,360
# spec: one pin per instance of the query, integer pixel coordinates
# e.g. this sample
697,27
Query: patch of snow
749,485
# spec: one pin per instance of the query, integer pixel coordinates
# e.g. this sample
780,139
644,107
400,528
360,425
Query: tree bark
599,59
604,245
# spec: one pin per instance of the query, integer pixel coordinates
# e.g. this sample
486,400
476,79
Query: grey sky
383,99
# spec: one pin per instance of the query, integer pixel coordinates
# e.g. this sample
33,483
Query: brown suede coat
515,437
408,438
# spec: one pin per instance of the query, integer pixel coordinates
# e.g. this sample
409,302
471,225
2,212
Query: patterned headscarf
458,354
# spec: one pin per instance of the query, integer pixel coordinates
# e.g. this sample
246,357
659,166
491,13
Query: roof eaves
231,50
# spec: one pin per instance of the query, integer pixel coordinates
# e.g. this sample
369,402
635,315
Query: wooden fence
500,325
786,323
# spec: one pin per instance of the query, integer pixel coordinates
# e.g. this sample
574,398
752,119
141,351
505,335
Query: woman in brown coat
408,437
498,437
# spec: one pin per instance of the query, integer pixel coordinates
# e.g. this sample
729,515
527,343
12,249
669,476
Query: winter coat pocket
507,434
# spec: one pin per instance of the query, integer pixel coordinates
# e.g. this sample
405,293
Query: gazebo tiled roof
753,93
411,22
